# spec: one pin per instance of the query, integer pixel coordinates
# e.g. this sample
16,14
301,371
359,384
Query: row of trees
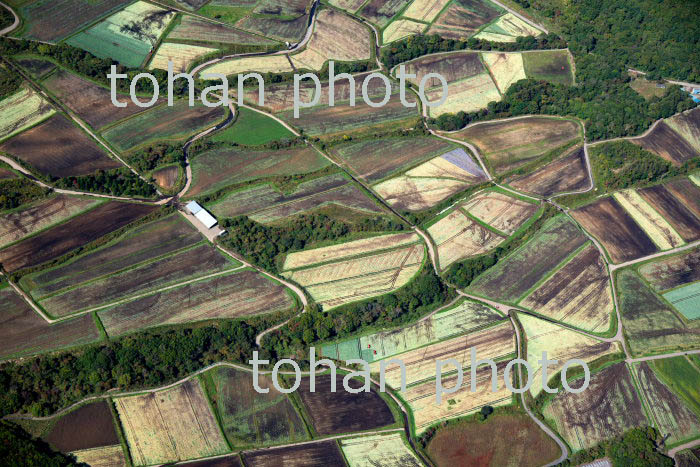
9,82
117,182
17,191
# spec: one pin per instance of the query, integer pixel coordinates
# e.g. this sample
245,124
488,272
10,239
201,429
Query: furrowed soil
671,272
59,240
623,239
59,149
567,173
453,67
166,177
342,412
465,17
668,144
321,454
688,193
36,66
672,209
380,12
380,450
90,426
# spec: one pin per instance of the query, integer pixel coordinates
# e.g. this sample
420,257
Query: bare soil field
468,95
36,66
566,173
500,211
236,295
291,8
424,10
669,273
170,425
513,276
687,192
59,240
24,332
553,66
452,66
687,124
417,193
90,426
465,17
609,407
668,411
90,101
342,412
106,456
280,29
347,5
380,12
59,149
506,68
672,209
321,454
369,159
181,55
458,237
19,224
196,29
668,144
6,174
623,239
500,440
228,461
166,177
579,294
379,451
653,224
507,145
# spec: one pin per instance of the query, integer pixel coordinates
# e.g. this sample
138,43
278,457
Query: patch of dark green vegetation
9,81
17,447
18,191
156,155
462,274
117,182
262,244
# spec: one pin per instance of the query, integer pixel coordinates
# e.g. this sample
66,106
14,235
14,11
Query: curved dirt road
14,25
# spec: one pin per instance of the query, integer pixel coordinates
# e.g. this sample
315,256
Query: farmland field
512,277
36,66
650,325
170,425
687,192
199,30
552,66
269,64
415,193
507,28
6,173
667,410
668,144
89,426
51,20
426,412
502,212
458,237
78,231
284,8
380,12
464,317
424,10
506,68
607,220
467,95
687,124
464,17
163,123
167,177
508,145
40,215
329,41
564,174
320,454
609,407
22,110
109,39
107,456
672,209
182,55
252,128
368,158
60,149
90,101
229,296
452,66
220,167
249,418
342,412
276,28
670,272
683,378
399,29
24,332
686,299
499,440
494,342
655,226
379,451
578,294
347,5
561,344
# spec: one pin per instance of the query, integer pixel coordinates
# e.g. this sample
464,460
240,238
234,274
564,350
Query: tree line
116,182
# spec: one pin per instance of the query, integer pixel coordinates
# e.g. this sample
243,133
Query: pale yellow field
268,64
470,94
561,344
494,37
471,240
506,68
378,451
415,193
695,179
400,29
135,13
449,227
425,10
502,212
441,168
684,128
344,250
660,231
336,37
582,298
426,411
506,29
494,342
182,55
107,456
170,425
21,110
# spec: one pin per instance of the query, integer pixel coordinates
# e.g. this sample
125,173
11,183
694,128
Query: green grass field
226,14
681,376
251,129
552,66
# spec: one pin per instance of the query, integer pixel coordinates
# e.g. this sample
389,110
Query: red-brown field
668,144
59,240
673,271
90,426
567,173
166,177
672,209
321,454
623,239
465,17
342,412
687,192
452,67
381,11
91,102
60,149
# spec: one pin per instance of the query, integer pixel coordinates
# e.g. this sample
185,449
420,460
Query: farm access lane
14,25
680,83
691,444
687,246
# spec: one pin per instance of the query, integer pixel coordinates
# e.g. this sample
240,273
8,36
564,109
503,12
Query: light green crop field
686,299
251,129
682,377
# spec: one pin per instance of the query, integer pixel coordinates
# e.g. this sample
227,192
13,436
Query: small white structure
201,214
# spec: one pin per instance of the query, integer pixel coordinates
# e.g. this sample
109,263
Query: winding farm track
677,449
14,25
